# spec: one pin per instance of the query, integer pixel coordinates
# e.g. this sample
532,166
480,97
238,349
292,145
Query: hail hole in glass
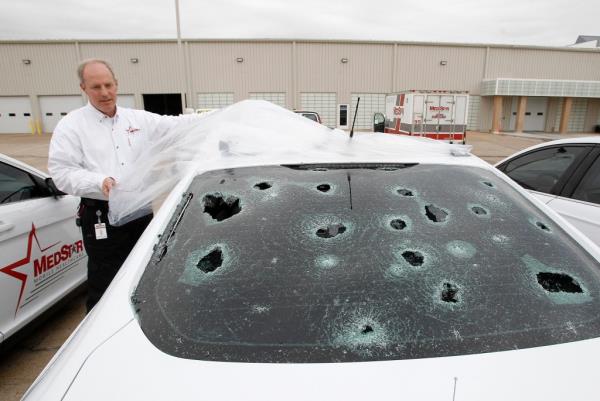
221,208
542,226
449,293
405,192
262,186
435,214
414,258
398,224
478,210
212,261
367,329
331,231
558,282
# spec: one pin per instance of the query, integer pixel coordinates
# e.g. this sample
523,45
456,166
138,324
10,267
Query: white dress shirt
87,146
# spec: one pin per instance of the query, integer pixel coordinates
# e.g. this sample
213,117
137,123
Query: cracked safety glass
340,263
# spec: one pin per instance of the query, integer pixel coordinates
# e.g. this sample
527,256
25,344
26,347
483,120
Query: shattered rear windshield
339,263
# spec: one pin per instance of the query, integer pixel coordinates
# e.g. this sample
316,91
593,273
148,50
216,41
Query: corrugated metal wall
418,67
157,70
543,64
266,67
51,72
368,68
289,67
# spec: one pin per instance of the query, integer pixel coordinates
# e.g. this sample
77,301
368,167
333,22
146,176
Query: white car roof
567,141
23,166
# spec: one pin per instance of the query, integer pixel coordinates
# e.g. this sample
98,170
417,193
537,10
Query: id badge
101,231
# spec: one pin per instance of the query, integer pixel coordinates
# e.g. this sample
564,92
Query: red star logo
10,269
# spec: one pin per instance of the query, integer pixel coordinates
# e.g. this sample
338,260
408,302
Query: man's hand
107,185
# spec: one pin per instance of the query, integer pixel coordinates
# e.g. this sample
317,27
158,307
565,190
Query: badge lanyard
100,227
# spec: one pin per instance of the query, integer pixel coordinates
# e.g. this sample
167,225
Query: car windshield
339,263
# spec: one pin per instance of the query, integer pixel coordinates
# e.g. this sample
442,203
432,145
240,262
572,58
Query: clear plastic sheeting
251,132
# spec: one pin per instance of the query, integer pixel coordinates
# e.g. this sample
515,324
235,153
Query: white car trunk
128,367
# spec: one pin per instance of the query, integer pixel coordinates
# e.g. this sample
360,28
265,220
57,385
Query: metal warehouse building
512,88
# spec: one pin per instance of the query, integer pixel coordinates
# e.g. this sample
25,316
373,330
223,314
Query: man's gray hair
84,63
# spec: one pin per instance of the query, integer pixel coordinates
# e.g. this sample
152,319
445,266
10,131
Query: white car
565,175
41,250
373,268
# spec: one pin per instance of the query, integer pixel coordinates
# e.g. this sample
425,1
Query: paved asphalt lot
20,365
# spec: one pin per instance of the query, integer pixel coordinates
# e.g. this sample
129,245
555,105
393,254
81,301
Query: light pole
183,69
177,20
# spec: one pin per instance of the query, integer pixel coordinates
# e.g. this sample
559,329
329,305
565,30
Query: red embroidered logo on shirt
131,130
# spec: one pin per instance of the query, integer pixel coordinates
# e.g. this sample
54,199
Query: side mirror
378,122
52,188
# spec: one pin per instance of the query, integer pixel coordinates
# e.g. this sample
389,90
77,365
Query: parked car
41,250
565,175
311,115
278,273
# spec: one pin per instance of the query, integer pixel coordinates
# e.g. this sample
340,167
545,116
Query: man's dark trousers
105,256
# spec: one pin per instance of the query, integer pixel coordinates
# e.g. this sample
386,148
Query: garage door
274,97
53,108
322,103
535,113
126,101
370,103
215,100
15,115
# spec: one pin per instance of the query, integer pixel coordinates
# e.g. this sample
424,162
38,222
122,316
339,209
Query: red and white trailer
433,114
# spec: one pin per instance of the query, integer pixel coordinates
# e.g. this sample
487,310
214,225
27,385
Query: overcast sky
525,22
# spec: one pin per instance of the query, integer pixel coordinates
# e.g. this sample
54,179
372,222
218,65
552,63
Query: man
91,148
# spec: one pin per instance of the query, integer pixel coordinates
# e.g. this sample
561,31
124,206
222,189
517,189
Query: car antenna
354,119
349,187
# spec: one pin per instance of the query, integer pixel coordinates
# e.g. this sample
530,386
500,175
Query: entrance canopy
540,87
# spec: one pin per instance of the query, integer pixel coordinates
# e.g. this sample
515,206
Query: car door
41,251
545,171
580,202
